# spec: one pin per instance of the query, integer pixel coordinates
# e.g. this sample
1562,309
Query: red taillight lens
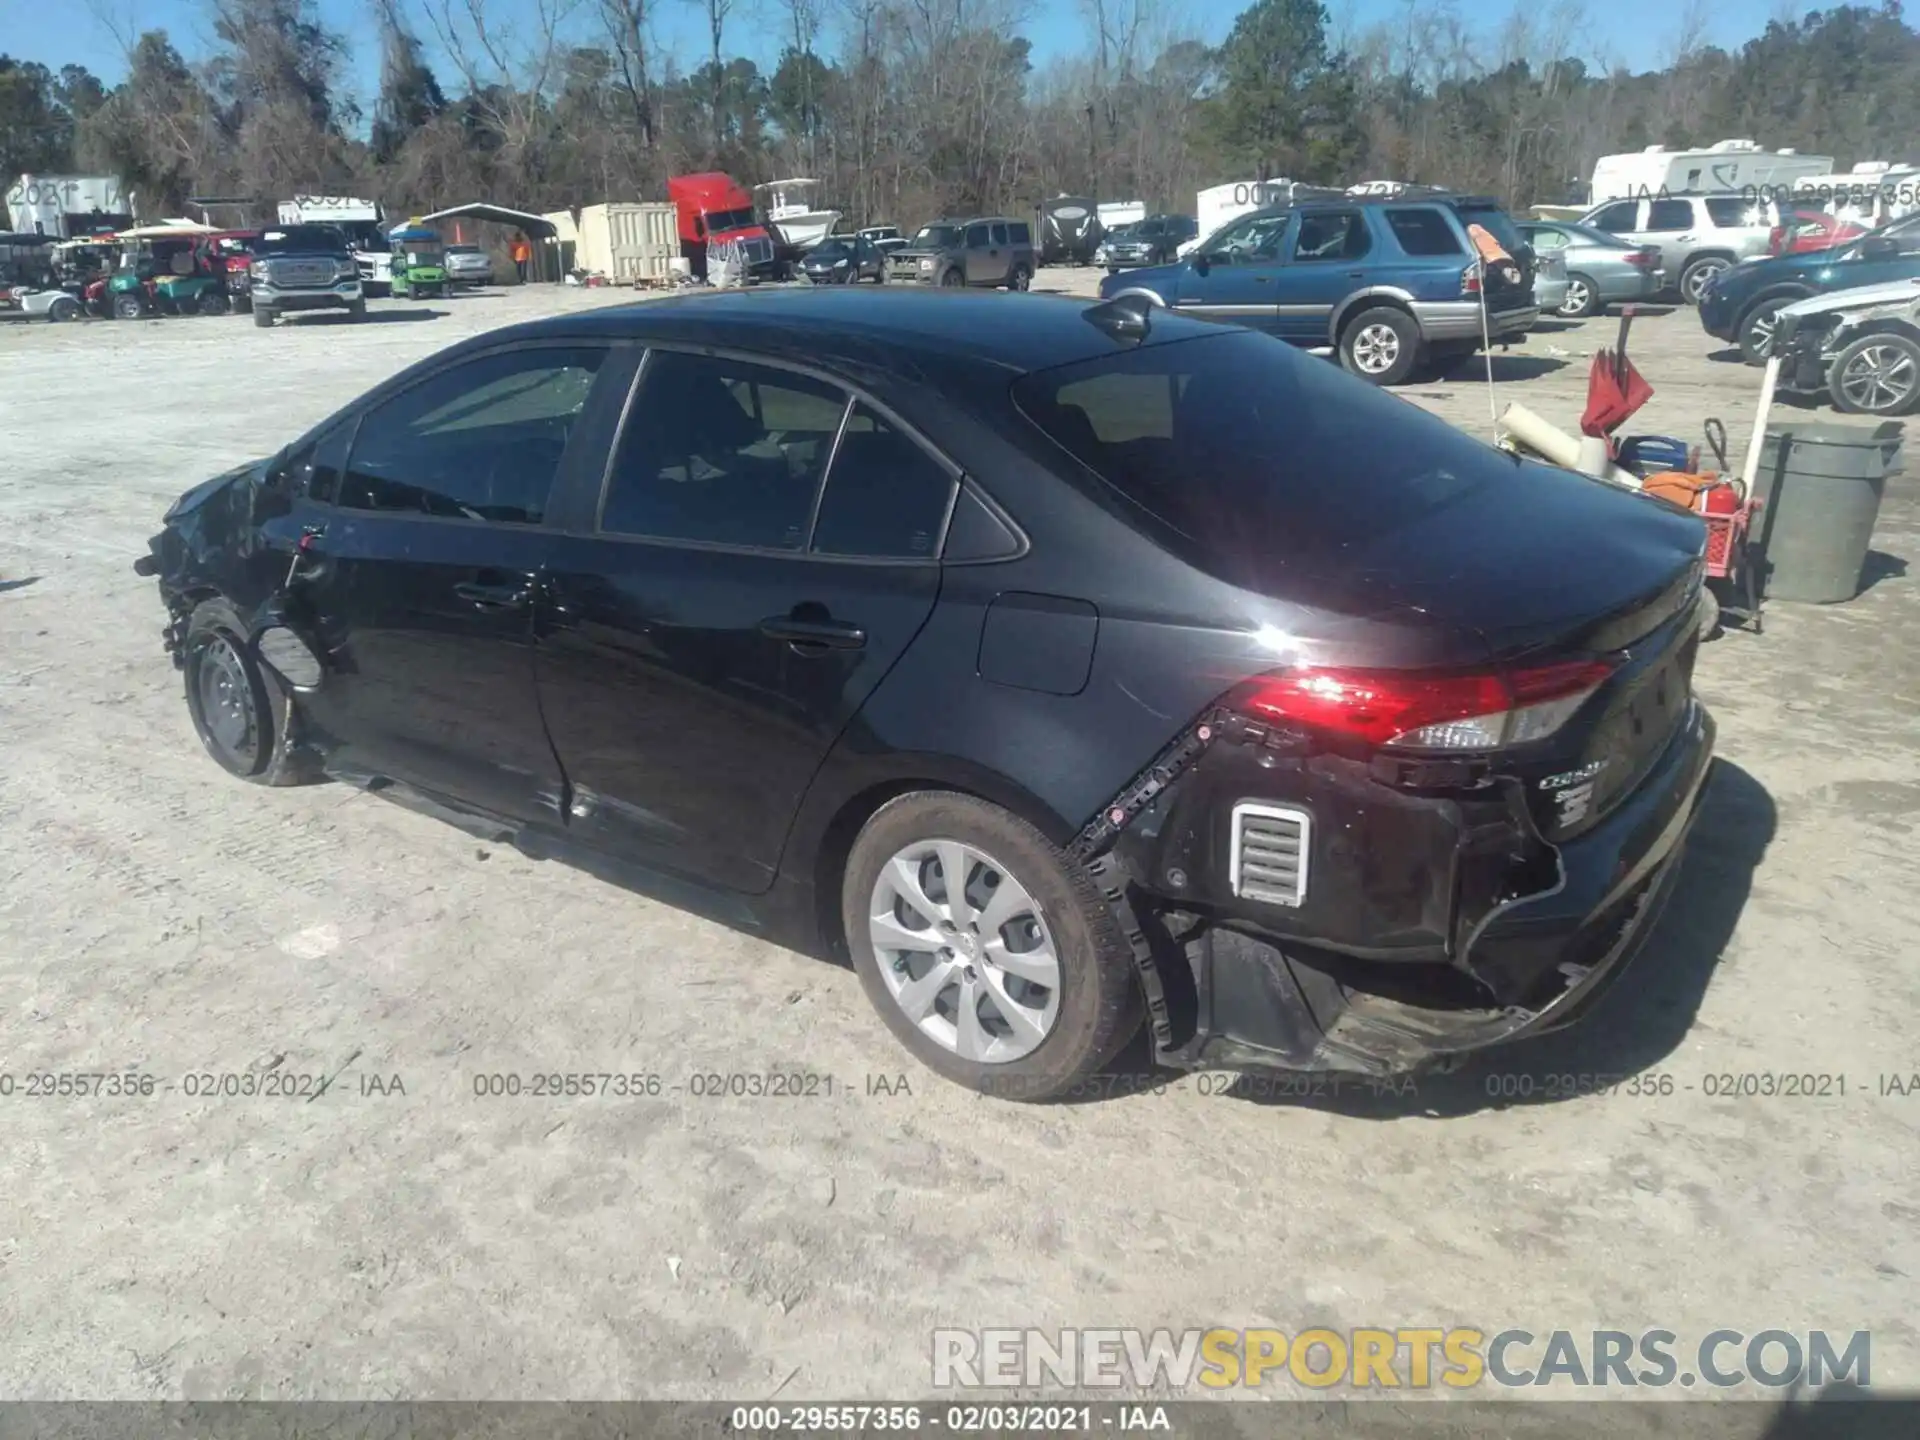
1481,711
1470,280
1643,259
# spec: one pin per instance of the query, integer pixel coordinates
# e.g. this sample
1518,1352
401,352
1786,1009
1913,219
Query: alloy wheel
1879,379
964,951
1760,332
1697,279
1376,349
1577,298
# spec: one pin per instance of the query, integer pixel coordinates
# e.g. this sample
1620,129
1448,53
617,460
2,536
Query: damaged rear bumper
1236,992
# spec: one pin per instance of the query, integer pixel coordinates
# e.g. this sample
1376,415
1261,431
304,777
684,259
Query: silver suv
1697,236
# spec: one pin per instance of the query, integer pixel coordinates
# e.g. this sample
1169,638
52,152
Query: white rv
1726,166
363,223
1870,194
66,206
1116,213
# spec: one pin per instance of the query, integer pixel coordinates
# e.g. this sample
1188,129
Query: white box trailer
630,244
66,206
1870,194
1115,213
1727,166
361,221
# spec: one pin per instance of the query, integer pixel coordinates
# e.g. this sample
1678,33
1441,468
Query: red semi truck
713,207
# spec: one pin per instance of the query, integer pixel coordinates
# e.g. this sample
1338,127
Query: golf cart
167,270
82,267
27,288
419,263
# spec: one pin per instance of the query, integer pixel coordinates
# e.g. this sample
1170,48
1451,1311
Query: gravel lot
157,916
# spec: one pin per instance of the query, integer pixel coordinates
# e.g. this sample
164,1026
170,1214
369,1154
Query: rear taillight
1470,280
1480,711
1643,259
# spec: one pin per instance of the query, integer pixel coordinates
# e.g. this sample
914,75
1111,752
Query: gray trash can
1822,484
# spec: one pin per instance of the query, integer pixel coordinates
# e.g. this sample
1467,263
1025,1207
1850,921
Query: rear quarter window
1496,222
1242,452
1424,232
1731,212
1020,231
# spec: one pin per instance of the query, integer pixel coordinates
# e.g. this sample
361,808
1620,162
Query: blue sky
1637,33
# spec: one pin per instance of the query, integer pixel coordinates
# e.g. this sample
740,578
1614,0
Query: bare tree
625,22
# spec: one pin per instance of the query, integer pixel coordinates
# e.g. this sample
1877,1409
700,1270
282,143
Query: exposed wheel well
1700,255
1360,304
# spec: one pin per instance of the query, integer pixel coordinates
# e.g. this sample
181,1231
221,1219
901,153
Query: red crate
1719,542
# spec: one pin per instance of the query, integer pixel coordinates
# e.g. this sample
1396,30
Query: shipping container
630,244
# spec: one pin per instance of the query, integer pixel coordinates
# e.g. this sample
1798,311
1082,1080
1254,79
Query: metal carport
537,228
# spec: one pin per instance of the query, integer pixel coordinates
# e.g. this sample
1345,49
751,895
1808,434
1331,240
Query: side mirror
1879,247
1202,263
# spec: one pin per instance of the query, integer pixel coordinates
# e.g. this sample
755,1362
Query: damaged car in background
1860,348
1067,667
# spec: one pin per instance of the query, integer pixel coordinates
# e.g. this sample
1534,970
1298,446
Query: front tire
1014,980
357,310
63,310
1876,375
1381,345
127,307
952,280
262,317
242,714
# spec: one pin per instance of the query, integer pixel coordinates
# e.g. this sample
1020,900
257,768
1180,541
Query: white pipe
1750,471
1552,443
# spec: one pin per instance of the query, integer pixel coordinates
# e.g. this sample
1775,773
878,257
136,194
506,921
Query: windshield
303,240
719,222
1251,451
831,250
463,249
937,236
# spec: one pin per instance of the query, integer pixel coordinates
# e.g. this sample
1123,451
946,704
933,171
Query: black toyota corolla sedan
1068,666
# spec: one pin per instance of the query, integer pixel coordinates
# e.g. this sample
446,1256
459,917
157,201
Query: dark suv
1739,305
1390,282
990,252
1155,240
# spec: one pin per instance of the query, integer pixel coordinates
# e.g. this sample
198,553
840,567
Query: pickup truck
1390,283
303,267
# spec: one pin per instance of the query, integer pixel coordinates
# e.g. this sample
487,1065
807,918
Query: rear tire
1694,278
1709,613
1084,1018
1381,345
1582,297
242,714
214,302
126,307
1756,329
65,309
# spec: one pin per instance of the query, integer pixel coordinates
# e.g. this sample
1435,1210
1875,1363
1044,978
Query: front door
1235,280
704,648
423,581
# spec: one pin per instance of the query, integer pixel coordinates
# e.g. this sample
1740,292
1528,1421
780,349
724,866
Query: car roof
841,327
1448,198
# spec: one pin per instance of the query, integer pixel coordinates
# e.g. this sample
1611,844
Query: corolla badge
1573,791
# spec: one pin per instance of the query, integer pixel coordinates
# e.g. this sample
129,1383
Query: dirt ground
401,1236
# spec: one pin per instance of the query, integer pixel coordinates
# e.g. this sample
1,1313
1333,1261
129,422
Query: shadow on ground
372,317
1878,566
1639,1022
19,584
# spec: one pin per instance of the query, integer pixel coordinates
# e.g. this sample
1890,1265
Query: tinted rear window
1496,222
1732,211
1424,232
1246,449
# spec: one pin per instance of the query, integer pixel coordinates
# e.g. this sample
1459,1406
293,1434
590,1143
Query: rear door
426,569
1326,259
986,253
1672,225
764,549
